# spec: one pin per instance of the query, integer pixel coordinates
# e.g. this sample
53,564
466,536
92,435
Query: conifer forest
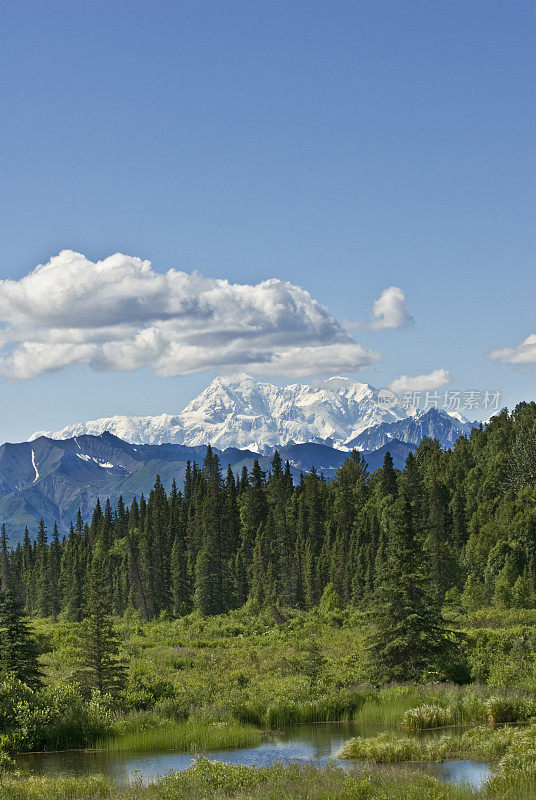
459,524
217,614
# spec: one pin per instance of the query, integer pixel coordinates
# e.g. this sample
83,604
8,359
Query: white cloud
389,310
331,359
421,383
523,354
119,314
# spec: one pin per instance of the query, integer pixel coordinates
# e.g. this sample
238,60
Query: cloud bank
523,354
421,383
118,314
389,310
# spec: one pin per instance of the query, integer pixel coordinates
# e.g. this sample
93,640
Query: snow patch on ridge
85,457
34,466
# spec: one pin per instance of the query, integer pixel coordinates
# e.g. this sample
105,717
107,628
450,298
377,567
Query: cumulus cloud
389,310
119,314
523,354
421,383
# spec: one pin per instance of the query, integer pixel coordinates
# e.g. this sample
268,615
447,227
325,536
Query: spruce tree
389,484
409,637
102,668
214,566
280,533
72,574
54,568
27,572
254,511
42,574
18,648
5,569
438,547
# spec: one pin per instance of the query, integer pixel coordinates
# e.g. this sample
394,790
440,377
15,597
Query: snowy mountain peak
240,411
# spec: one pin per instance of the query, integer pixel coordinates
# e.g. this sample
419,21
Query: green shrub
217,781
144,689
52,718
6,763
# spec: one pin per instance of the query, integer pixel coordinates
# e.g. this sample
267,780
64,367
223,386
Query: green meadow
202,684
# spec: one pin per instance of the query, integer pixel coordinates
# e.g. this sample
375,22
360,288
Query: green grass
341,706
216,781
206,781
189,736
387,707
479,744
425,718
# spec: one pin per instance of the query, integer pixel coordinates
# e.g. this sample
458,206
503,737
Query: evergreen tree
99,648
5,570
54,570
409,639
389,484
18,648
254,511
72,574
42,573
213,568
438,547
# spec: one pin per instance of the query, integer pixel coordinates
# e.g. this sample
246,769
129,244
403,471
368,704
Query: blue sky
343,147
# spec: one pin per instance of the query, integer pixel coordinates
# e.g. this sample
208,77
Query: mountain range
252,415
56,473
53,478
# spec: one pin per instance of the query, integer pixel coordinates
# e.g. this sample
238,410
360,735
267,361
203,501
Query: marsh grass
37,787
509,709
388,706
423,718
206,780
426,707
188,736
479,743
217,781
332,708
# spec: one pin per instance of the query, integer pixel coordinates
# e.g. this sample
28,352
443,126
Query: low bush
6,762
51,718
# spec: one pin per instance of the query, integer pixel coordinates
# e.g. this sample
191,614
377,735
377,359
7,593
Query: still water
301,744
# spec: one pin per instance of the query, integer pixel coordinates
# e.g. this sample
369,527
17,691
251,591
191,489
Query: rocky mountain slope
54,478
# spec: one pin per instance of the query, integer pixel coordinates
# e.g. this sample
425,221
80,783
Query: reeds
428,717
188,736
479,743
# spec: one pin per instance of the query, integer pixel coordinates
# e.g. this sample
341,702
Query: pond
303,744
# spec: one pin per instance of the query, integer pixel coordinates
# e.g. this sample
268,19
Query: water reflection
305,744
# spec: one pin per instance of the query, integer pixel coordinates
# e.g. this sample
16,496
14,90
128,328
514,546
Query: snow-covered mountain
249,414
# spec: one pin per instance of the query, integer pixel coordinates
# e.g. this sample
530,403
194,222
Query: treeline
469,512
